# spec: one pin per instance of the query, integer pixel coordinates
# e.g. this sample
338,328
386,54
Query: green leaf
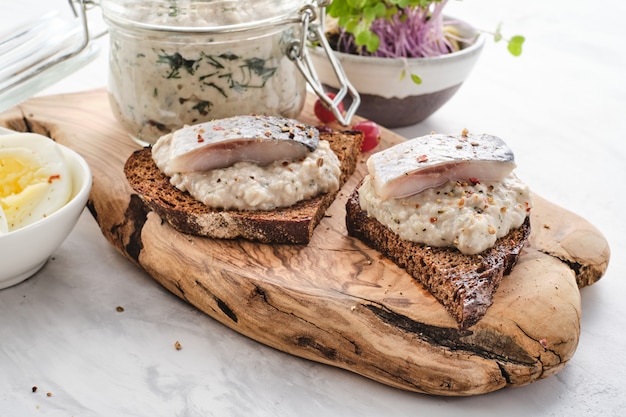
344,21
357,4
335,9
423,3
373,42
380,10
369,13
497,35
352,26
390,12
416,79
402,75
361,37
515,45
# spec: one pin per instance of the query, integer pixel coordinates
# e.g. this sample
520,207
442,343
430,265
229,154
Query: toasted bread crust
293,224
463,284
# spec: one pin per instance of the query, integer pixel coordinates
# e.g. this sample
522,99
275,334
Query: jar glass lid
200,15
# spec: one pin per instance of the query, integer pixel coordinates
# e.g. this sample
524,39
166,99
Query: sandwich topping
248,162
429,161
445,190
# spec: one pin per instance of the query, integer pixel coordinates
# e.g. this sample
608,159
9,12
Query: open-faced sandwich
262,178
449,210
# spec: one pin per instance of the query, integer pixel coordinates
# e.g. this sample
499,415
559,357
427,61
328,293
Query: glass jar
179,62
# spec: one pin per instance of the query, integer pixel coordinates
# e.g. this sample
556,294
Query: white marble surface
561,107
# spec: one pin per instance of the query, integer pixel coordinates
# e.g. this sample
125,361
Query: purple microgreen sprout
402,29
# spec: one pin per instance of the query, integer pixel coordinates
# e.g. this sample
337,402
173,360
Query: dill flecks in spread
446,190
162,80
262,179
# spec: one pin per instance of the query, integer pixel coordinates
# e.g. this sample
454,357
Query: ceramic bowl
395,101
24,251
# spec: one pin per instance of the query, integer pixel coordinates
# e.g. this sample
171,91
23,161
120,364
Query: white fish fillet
222,143
430,161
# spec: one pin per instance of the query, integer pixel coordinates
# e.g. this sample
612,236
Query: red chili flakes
422,158
218,128
433,220
473,181
544,343
527,207
200,138
53,177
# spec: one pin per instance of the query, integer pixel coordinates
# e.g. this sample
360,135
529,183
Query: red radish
323,113
371,133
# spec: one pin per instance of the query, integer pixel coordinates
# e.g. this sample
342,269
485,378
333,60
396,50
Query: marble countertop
97,334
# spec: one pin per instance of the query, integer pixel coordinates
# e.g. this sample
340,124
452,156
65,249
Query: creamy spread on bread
469,200
468,216
270,162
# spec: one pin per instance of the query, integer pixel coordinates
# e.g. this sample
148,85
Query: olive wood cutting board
335,300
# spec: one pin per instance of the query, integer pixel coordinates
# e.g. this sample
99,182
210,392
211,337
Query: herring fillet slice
222,142
432,160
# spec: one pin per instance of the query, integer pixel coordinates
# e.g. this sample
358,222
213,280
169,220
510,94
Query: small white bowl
395,101
24,251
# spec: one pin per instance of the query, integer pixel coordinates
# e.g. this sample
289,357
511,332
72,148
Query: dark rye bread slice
463,284
293,224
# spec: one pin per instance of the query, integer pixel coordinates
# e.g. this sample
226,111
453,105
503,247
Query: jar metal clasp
42,52
298,53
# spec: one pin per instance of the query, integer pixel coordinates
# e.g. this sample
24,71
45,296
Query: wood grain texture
335,300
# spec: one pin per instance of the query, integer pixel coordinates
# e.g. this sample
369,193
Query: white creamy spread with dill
161,80
470,217
248,186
